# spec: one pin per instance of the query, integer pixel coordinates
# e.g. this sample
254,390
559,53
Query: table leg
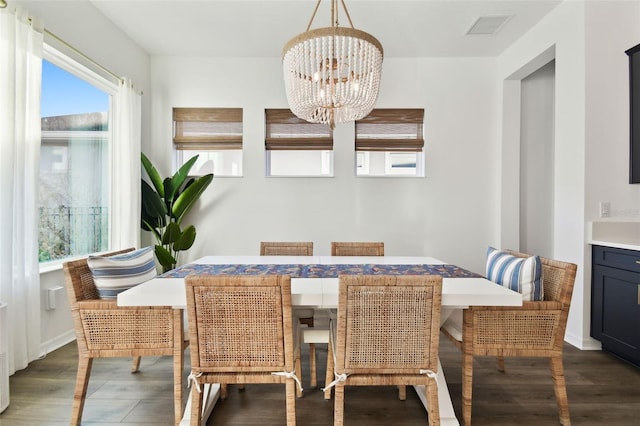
447,414
210,396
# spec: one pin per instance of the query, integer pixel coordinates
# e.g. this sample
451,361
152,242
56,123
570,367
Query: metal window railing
68,231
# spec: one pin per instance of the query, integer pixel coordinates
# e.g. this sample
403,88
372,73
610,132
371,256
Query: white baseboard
585,344
58,342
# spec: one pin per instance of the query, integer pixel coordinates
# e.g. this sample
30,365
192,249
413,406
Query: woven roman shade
285,131
391,130
207,128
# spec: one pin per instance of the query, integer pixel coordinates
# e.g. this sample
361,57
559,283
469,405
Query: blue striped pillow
521,274
114,274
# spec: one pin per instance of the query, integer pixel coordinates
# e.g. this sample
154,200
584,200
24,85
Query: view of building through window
74,158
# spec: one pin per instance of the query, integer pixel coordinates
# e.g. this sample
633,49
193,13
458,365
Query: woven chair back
357,249
558,278
388,324
273,248
240,323
79,280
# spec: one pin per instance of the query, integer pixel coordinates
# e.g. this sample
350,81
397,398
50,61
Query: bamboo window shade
285,131
391,130
207,128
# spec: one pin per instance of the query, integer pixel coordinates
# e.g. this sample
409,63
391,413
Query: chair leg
177,384
338,405
298,368
467,386
223,391
312,365
291,387
560,388
329,373
500,363
196,406
80,392
433,403
135,365
402,392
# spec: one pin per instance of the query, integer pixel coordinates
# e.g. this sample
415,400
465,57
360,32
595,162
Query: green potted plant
164,206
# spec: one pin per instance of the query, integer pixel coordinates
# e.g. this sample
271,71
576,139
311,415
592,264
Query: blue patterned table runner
320,270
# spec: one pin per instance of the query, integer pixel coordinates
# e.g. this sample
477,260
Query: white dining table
457,293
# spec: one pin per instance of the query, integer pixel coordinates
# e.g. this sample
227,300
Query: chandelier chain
313,16
334,14
346,12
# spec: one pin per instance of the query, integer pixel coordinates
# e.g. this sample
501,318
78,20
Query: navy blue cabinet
615,301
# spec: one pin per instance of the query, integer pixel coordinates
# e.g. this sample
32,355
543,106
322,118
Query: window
74,159
295,147
215,134
389,142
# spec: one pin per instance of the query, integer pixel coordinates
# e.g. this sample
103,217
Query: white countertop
617,244
611,233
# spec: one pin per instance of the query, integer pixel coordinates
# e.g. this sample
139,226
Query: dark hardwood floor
602,391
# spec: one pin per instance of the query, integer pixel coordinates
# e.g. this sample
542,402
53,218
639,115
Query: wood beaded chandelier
332,74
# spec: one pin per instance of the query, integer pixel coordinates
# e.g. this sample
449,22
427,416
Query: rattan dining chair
280,248
105,330
304,315
536,329
386,333
357,249
241,331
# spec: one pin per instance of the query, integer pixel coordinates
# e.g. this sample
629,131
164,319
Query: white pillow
114,274
520,274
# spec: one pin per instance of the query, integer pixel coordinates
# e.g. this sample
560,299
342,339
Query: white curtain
126,168
20,88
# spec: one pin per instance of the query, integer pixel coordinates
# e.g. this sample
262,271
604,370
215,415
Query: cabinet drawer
617,258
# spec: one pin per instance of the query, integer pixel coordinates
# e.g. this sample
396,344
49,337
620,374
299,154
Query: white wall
562,32
536,161
607,107
607,116
83,27
451,214
592,129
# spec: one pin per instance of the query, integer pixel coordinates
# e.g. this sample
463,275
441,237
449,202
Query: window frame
284,121
221,119
406,140
71,61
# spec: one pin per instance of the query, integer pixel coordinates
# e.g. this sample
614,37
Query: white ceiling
244,28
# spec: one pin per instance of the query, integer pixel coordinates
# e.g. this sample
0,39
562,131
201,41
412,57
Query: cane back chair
241,331
535,329
387,333
357,249
105,330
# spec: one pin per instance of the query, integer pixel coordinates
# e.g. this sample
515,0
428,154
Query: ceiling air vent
487,25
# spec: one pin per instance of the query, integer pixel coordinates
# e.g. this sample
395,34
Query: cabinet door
616,311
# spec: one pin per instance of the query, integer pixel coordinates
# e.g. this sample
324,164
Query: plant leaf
152,205
186,239
153,174
189,196
169,193
171,234
165,259
179,177
147,226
